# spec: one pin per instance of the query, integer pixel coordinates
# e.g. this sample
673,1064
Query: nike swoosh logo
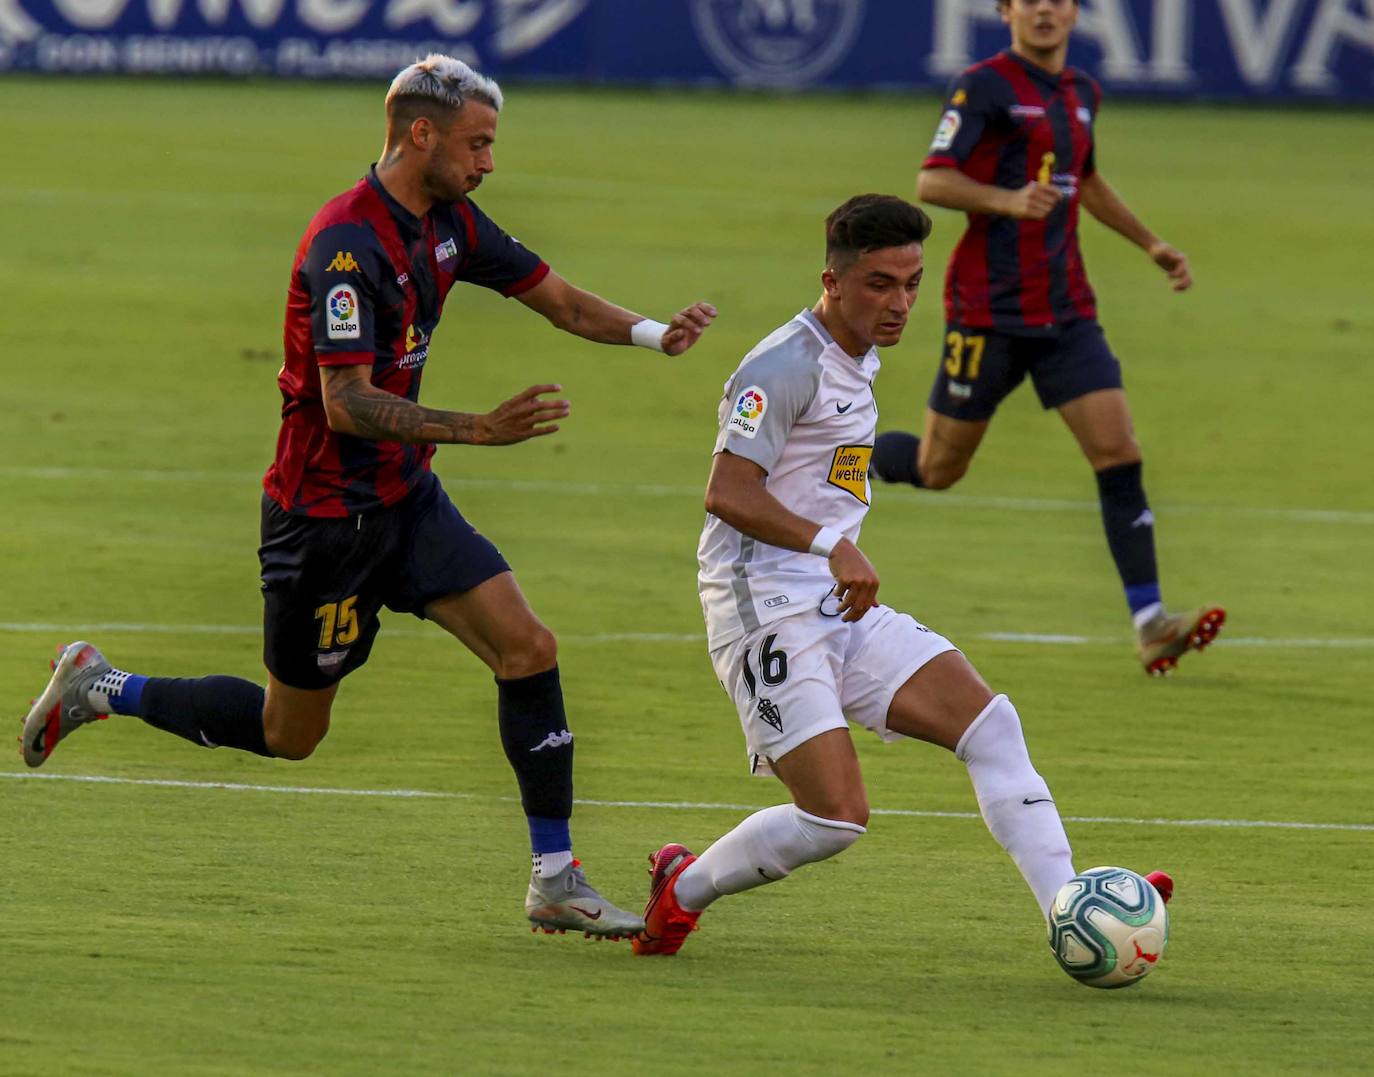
842,410
1042,800
589,915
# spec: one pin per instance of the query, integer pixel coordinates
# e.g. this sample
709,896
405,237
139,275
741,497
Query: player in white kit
797,636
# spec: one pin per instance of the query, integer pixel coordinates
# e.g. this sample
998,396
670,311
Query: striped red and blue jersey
367,287
1007,122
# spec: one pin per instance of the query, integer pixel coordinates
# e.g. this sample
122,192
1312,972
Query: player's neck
1050,60
404,186
834,325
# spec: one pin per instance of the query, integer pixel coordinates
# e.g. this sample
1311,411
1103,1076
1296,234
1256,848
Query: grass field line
600,489
663,805
1357,643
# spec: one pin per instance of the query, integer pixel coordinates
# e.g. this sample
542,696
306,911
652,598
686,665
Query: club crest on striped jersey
748,411
849,470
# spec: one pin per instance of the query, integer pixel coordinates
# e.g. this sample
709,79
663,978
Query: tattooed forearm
381,416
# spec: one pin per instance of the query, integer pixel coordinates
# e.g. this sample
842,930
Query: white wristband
648,334
827,538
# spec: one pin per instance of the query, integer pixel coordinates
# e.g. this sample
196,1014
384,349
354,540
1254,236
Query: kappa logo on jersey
849,470
342,306
343,262
949,127
749,408
446,250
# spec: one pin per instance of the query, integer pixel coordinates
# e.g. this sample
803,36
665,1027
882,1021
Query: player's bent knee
294,744
294,735
942,475
827,837
536,652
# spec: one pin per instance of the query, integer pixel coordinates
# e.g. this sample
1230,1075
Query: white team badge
748,411
1084,116
949,127
446,250
341,313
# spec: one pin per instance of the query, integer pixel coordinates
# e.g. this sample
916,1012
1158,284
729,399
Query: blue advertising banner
1263,49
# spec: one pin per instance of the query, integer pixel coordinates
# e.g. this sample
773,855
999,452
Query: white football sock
766,847
1015,801
547,865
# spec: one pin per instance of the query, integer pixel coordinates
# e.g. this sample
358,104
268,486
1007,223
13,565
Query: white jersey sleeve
768,394
803,410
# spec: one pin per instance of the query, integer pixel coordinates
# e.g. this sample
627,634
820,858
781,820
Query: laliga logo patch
749,408
342,306
949,127
777,42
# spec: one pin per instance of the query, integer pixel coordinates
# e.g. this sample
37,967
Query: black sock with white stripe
534,733
213,712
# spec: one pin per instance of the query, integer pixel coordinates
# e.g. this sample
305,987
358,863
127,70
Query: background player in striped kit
1014,149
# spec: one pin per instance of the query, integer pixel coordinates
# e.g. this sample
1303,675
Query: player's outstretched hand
856,580
1175,263
525,415
686,327
1035,201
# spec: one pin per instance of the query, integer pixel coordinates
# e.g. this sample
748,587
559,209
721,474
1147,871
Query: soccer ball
1108,927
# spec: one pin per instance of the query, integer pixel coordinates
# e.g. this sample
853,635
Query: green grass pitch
146,234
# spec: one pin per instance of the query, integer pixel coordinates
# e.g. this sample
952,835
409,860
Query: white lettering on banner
952,47
453,17
15,24
1169,58
1334,21
90,14
1108,22
524,25
1258,41
259,13
332,16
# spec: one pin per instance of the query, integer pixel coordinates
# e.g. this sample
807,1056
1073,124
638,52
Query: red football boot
666,923
1163,882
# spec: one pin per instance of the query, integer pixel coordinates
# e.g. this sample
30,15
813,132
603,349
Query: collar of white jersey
808,318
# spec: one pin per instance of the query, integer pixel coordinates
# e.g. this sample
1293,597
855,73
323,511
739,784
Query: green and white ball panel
1108,927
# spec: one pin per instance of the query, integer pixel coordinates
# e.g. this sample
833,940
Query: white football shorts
800,676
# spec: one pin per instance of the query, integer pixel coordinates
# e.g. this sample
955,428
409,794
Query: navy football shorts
325,580
981,366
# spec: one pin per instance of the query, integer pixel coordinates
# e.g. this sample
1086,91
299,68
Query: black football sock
210,711
1130,530
894,457
534,733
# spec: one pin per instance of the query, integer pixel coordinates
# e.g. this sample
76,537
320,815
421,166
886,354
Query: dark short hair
872,222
